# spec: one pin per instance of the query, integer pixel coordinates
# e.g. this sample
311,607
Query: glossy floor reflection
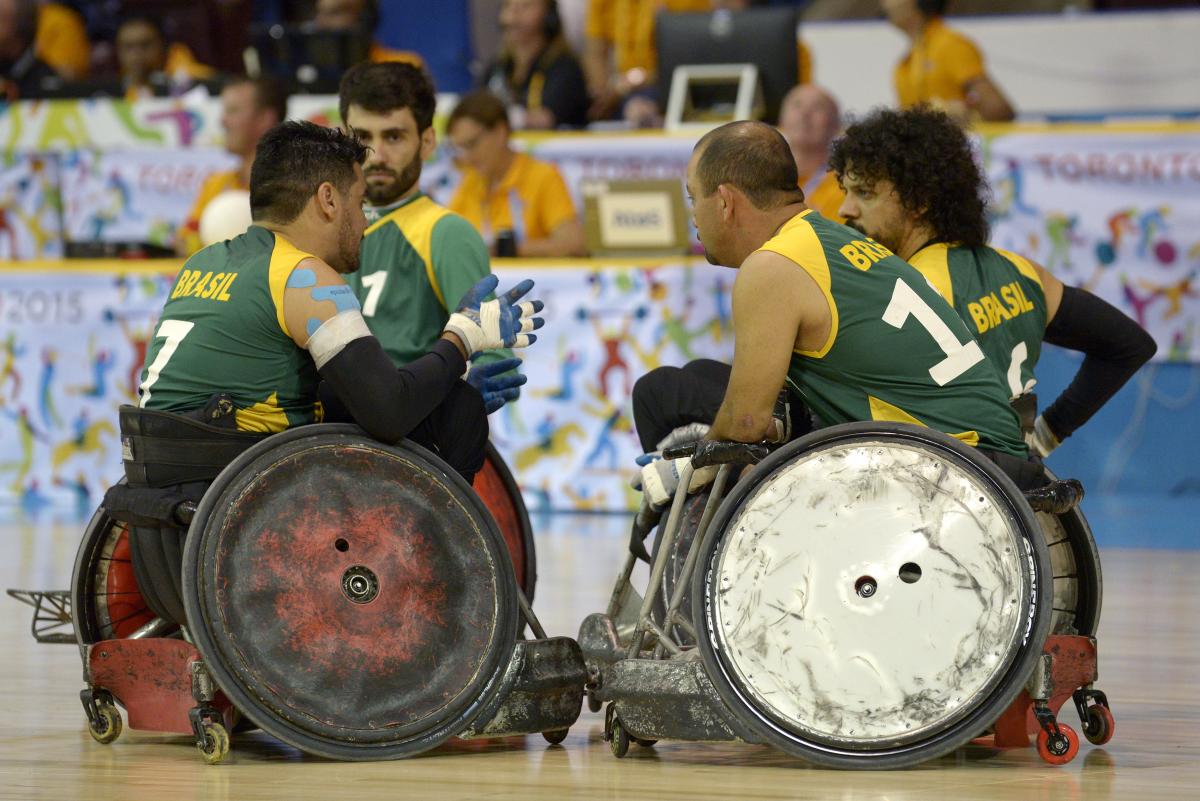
1150,657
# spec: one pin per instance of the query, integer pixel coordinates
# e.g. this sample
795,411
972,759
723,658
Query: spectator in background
809,120
344,15
249,108
62,41
943,68
21,71
145,59
619,57
536,74
520,205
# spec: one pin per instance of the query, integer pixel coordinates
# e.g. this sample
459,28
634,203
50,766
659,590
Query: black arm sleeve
1114,346
363,386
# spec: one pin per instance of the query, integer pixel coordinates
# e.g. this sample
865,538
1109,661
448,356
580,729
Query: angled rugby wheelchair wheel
498,489
1075,563
353,599
871,595
105,601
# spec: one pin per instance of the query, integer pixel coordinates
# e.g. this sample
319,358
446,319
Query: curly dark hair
929,160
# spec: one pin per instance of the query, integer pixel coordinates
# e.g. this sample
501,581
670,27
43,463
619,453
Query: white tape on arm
334,334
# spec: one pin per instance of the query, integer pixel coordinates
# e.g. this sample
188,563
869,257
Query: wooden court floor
1150,657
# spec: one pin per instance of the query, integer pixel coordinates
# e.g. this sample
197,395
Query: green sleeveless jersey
999,295
222,330
418,260
896,350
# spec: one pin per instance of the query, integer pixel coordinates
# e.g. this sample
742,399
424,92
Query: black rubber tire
754,725
1086,557
529,586
490,680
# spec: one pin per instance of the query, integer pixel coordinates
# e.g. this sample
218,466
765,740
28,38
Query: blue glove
500,323
495,388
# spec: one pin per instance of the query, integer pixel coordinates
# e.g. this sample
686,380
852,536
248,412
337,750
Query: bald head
753,158
809,117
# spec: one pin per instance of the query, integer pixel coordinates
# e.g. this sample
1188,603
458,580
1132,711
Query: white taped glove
660,479
1041,439
500,323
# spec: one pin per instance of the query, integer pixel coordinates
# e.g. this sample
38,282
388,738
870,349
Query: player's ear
725,197
428,143
327,201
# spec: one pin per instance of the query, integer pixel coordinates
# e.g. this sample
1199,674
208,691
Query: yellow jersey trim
798,242
416,221
284,258
1024,265
885,412
933,262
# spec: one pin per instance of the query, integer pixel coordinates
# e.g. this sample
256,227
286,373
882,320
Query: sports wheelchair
869,596
353,599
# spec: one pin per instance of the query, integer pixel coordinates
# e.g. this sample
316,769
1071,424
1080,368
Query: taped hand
496,388
500,323
660,479
1041,440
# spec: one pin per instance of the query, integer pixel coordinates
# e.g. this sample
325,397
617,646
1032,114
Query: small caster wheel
555,736
594,703
216,743
1058,749
107,726
618,739
1098,726
643,743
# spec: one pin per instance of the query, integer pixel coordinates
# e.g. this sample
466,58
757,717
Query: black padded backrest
161,449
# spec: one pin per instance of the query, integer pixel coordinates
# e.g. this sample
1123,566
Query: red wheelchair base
1067,672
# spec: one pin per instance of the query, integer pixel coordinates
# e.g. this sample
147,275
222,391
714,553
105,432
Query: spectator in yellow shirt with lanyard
943,68
520,205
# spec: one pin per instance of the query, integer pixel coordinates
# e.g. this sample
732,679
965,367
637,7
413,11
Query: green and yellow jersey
418,260
223,330
999,295
896,351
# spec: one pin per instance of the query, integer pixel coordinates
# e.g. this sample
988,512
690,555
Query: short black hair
929,160
269,93
387,86
752,156
292,160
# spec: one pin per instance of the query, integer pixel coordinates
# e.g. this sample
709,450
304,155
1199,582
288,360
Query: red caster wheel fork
1057,743
1095,714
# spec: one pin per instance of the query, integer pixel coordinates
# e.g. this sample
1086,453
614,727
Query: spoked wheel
498,489
352,598
1075,562
874,595
105,601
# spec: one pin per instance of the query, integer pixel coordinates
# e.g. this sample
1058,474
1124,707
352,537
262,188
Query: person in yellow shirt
809,120
520,205
943,68
249,108
144,58
619,54
62,41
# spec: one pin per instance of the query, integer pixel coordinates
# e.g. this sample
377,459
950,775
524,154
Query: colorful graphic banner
190,120
30,207
134,195
1117,214
72,347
